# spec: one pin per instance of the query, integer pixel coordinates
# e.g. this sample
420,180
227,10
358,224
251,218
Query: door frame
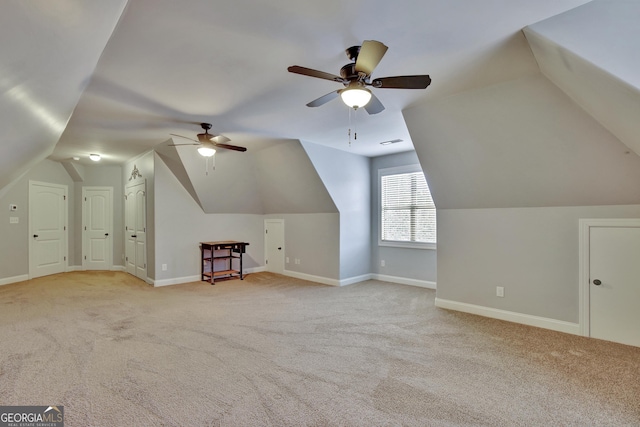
84,222
266,242
66,225
585,263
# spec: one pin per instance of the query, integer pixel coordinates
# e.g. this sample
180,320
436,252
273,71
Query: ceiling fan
356,76
208,142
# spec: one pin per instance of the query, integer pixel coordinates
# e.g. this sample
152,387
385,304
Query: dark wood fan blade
324,99
180,136
371,52
402,82
374,106
231,147
315,73
181,145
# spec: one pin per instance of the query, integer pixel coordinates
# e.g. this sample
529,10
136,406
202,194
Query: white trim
355,279
174,281
412,168
312,278
190,279
510,316
584,281
14,279
118,268
405,281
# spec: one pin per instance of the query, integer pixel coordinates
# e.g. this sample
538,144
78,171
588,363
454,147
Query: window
407,211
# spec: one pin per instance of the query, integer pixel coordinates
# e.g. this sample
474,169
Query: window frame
395,243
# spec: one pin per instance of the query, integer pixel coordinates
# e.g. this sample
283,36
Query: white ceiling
165,66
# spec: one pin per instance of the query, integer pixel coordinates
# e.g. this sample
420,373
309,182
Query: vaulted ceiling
118,77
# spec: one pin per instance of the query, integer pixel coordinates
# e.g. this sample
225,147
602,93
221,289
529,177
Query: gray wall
346,178
417,264
512,167
180,224
314,239
531,252
14,238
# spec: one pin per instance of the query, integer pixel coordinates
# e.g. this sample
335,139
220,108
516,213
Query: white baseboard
14,279
71,268
405,281
189,279
118,268
312,278
174,281
355,279
510,316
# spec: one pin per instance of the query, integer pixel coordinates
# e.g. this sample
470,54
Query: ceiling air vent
393,141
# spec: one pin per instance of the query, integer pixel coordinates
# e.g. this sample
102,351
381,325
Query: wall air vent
393,141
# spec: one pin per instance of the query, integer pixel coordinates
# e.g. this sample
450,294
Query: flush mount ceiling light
355,95
95,157
206,149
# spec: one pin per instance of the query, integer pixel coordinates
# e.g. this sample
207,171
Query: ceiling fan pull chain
349,132
355,124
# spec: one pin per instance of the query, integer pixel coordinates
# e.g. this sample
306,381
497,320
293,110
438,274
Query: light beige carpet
274,351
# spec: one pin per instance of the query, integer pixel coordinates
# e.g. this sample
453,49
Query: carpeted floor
275,351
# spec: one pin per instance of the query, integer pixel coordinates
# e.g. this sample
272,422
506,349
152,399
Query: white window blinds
407,211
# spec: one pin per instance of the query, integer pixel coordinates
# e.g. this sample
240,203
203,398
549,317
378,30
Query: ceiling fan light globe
356,97
95,157
206,151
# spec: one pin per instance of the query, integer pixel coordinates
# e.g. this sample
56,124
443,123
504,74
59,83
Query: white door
97,228
136,230
614,289
47,229
274,245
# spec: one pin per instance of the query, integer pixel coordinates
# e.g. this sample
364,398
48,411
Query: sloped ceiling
273,177
522,143
591,53
569,136
48,53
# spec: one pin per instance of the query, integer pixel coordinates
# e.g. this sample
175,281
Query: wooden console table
225,252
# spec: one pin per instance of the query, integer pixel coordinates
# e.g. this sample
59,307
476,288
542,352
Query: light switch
13,219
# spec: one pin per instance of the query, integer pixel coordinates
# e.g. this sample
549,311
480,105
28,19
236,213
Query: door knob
106,234
597,282
133,235
280,248
35,235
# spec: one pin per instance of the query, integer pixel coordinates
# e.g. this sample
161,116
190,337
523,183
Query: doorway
135,229
47,229
97,228
610,279
274,245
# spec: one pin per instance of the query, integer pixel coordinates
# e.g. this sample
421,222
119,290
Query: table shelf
219,259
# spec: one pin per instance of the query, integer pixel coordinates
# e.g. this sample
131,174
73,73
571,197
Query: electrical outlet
296,261
164,267
14,220
286,260
500,291
382,263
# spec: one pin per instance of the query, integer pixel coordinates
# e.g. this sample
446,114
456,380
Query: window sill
408,245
